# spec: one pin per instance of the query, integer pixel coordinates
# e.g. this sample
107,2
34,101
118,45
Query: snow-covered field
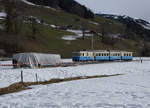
131,90
8,75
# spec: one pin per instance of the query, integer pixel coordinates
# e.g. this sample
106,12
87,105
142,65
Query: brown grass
17,87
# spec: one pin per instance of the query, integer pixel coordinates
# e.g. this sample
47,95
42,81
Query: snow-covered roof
33,60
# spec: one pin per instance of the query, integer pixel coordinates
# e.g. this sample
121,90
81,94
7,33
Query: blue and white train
101,55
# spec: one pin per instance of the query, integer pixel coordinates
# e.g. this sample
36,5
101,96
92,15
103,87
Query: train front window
76,54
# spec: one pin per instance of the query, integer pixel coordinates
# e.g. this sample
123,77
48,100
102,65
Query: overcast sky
133,8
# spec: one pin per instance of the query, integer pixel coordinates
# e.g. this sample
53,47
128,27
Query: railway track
75,63
67,64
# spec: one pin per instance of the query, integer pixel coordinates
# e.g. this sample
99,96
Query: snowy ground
131,90
8,75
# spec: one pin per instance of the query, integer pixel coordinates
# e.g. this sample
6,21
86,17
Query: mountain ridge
139,26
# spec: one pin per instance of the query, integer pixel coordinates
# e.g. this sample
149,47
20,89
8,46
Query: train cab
82,56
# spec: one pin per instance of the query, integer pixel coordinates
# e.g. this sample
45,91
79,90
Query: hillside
138,26
37,28
70,6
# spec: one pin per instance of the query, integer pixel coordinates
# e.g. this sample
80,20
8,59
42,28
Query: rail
76,63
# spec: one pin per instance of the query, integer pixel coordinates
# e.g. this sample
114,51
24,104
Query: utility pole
92,41
92,38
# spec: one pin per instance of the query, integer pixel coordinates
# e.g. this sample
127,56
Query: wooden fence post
36,77
21,76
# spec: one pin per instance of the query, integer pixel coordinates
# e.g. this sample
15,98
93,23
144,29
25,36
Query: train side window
129,54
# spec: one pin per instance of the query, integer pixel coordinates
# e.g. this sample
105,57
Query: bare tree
34,27
13,19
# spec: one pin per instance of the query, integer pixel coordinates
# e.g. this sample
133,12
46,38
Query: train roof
101,51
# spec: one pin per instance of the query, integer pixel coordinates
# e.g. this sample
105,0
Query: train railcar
126,56
115,55
82,56
101,55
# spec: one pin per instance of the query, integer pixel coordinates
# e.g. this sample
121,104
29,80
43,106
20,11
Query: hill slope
70,6
37,28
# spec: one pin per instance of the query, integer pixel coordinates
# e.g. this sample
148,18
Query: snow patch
69,37
115,36
29,3
95,23
53,26
3,15
77,32
146,26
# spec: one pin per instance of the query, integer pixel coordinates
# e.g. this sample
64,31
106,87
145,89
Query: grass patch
24,86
